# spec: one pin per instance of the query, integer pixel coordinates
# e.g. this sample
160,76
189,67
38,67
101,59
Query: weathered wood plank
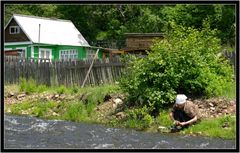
68,72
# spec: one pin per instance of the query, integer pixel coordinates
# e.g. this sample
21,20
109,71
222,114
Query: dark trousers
181,116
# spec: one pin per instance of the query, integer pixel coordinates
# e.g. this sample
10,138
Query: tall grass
76,112
230,91
73,110
163,118
30,86
95,93
214,127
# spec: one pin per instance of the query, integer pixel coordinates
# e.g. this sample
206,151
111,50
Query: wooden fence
231,56
68,73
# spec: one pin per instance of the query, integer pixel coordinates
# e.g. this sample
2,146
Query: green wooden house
46,38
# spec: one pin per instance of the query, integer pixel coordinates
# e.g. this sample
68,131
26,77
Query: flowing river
32,133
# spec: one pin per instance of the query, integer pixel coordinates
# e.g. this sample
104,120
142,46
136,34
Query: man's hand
176,122
182,123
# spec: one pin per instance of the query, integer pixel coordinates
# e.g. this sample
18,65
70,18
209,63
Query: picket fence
68,72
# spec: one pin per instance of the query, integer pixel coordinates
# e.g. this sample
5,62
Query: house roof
52,31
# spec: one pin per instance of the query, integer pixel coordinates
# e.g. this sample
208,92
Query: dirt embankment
113,104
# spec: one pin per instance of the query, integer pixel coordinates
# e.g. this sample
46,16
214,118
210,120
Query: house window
45,53
14,29
69,54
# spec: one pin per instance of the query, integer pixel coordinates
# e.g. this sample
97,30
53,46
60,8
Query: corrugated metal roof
52,31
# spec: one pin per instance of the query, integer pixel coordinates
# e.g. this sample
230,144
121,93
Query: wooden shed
138,43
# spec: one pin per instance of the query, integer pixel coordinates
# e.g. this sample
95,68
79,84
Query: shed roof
52,31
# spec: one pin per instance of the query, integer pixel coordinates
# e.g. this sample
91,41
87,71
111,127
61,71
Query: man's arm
171,116
194,119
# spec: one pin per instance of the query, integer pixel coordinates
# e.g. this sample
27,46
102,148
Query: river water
32,133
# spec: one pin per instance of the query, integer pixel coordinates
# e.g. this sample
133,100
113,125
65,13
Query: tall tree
107,22
44,10
221,17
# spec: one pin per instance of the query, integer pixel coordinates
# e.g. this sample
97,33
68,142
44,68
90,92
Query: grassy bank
80,105
72,103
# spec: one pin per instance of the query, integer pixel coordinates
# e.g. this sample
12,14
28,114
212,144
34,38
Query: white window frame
68,54
5,49
45,50
25,50
16,29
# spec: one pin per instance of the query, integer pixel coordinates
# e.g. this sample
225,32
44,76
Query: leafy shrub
186,61
138,118
163,118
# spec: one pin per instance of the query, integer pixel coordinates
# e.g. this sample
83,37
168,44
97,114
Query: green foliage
186,62
107,22
61,89
44,10
74,89
138,118
41,88
97,94
229,91
221,17
70,110
163,118
41,108
76,112
36,108
19,107
29,86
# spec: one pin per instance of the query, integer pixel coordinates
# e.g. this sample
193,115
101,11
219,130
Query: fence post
89,69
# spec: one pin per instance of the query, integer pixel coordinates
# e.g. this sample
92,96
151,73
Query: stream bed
25,132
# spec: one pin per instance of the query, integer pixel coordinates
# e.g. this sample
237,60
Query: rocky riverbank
112,105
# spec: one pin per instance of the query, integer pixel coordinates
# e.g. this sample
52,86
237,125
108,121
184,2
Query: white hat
181,98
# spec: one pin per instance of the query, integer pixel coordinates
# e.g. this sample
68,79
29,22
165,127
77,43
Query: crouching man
183,113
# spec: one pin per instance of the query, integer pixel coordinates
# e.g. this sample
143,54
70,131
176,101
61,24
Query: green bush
164,119
185,61
138,118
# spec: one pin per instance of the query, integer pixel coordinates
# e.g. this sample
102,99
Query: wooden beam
89,69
